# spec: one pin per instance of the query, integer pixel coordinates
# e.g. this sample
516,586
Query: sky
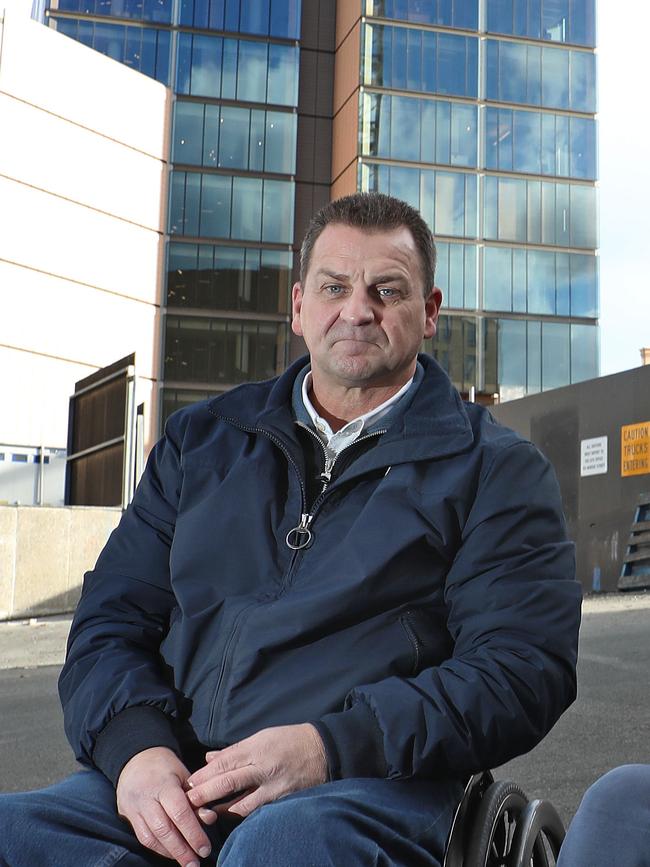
624,154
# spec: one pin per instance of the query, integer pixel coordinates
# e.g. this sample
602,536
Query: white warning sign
593,456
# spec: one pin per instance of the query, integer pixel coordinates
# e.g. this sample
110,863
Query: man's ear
431,311
296,305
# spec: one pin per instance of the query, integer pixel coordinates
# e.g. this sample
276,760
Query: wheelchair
495,825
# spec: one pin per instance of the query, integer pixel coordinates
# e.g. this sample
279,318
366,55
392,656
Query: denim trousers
347,823
611,827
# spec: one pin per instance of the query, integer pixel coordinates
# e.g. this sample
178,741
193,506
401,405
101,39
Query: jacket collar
435,424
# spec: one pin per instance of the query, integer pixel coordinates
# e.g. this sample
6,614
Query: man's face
362,309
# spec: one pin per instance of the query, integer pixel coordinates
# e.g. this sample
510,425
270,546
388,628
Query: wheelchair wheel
496,819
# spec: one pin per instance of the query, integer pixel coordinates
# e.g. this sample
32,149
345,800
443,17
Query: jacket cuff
353,743
130,732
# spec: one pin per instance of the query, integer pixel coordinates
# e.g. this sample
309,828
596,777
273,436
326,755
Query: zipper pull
301,535
326,475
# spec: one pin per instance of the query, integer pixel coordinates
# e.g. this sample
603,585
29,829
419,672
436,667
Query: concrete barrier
44,553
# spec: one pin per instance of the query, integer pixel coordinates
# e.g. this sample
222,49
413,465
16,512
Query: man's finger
207,816
220,761
250,801
225,786
177,807
146,836
168,835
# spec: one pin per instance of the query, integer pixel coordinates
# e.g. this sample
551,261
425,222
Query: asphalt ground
608,725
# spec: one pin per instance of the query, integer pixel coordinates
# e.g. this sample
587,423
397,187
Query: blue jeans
351,823
612,824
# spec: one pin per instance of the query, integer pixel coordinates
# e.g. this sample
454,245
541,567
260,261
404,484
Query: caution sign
635,449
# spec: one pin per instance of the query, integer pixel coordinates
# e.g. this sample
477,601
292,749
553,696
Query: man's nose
358,308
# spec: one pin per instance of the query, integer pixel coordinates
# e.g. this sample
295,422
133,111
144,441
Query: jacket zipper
325,477
415,641
304,536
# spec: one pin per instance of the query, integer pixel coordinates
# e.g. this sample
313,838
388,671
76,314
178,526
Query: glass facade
439,131
233,66
532,142
220,136
404,58
571,21
540,75
448,13
145,49
491,133
480,113
213,277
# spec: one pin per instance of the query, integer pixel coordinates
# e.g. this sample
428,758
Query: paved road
608,725
33,748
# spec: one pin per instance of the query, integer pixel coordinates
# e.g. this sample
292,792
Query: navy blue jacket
429,628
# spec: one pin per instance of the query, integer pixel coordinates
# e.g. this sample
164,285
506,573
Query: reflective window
497,280
233,137
540,212
456,274
512,358
449,13
211,351
408,59
179,398
219,206
253,61
446,200
228,278
555,20
237,69
584,352
523,357
142,48
439,132
454,347
540,281
263,17
138,10
584,285
542,289
541,144
556,355
282,75
545,76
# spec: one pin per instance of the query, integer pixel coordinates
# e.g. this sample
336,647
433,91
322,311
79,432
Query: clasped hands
162,800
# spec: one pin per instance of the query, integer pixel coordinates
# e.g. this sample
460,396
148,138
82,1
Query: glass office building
481,114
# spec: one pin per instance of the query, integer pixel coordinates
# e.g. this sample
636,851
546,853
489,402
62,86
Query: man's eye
387,292
334,290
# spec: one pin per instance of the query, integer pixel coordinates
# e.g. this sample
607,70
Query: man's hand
257,770
151,795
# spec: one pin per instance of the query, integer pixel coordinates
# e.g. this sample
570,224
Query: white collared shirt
336,442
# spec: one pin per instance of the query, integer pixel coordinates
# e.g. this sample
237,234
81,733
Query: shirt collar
356,426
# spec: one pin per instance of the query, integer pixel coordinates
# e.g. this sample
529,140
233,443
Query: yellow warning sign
635,449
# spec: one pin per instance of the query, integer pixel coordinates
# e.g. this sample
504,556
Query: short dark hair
373,212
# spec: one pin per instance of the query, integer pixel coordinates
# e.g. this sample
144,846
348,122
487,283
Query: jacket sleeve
117,698
513,614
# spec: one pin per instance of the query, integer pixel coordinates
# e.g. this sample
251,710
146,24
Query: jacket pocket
430,642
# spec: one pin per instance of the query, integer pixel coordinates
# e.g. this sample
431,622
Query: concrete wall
83,168
44,553
600,507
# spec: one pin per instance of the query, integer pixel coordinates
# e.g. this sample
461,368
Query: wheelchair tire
494,828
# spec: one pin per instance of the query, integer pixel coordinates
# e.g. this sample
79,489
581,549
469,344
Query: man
335,595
